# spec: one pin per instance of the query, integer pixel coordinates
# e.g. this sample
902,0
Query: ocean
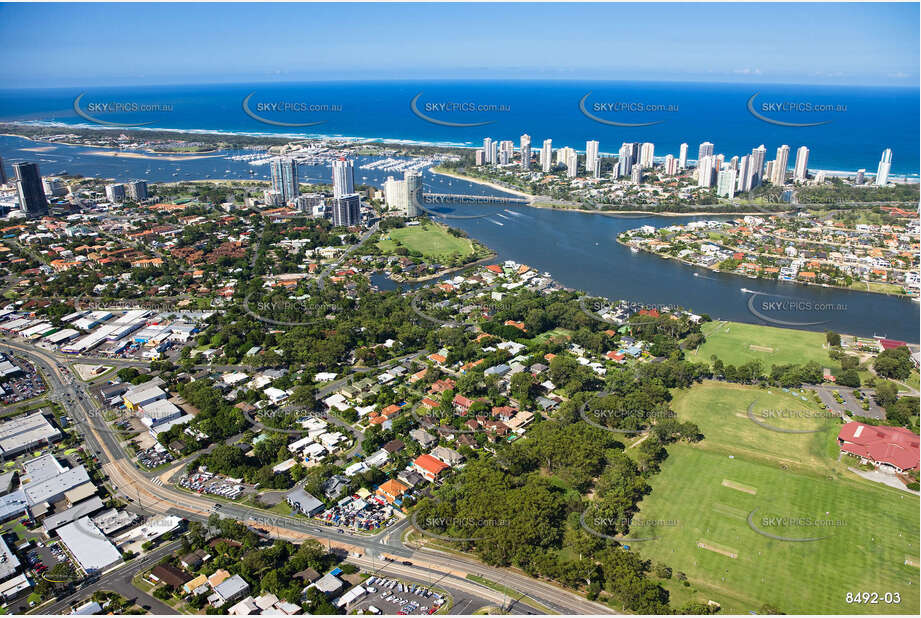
857,124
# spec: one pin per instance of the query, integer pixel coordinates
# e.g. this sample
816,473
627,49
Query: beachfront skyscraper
2,172
801,170
624,160
683,157
284,178
756,165
726,183
882,172
744,179
591,155
671,165
705,171
526,151
343,177
647,153
487,148
705,150
570,159
779,170
32,199
546,155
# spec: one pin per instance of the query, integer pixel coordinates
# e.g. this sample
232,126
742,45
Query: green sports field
736,343
721,410
432,241
792,486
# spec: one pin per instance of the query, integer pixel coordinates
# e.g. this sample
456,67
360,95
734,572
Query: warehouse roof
89,547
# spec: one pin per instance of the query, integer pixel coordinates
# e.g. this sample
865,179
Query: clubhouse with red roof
891,448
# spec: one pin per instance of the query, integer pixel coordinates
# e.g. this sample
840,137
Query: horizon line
241,82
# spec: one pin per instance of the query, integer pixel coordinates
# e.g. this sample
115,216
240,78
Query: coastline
906,177
139,155
796,281
485,183
180,156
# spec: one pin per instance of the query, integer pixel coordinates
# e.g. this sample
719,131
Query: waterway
578,249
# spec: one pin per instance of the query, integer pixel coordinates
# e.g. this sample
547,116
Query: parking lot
851,405
396,597
214,484
41,557
22,385
154,456
359,513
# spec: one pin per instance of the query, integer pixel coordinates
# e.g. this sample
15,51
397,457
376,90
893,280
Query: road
153,498
118,580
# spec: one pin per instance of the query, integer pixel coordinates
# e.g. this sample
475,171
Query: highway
141,489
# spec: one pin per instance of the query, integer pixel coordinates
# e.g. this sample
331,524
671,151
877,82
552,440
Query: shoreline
111,152
474,242
906,177
149,154
796,281
536,202
493,255
486,183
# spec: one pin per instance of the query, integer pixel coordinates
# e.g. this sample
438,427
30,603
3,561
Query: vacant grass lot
431,240
867,530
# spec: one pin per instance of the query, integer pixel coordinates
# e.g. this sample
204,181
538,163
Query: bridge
442,198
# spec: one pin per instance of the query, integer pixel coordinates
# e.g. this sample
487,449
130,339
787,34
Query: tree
833,339
849,378
894,363
886,393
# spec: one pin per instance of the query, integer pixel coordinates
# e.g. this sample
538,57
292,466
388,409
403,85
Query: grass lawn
873,529
731,342
509,591
556,332
431,240
721,412
876,286
912,381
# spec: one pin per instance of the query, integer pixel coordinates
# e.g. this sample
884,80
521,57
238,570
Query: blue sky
49,45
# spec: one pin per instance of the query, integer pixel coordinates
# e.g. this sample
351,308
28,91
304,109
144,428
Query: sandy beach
138,155
485,183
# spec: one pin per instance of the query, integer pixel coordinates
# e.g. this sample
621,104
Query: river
578,249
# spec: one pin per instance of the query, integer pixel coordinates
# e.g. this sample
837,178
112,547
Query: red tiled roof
896,446
430,464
